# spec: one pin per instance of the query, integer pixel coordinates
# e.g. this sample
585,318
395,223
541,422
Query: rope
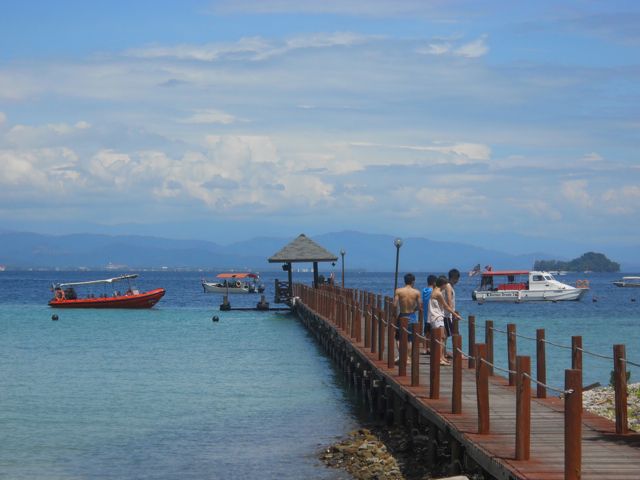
464,354
528,338
505,370
629,362
557,344
594,354
497,330
421,337
561,392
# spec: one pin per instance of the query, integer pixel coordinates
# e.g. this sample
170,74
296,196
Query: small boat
526,286
65,294
234,283
628,282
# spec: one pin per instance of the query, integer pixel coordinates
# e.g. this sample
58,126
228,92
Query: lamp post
398,243
342,252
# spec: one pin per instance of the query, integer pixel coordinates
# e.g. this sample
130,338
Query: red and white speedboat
526,286
66,296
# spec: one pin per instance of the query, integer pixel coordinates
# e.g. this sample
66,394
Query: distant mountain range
371,252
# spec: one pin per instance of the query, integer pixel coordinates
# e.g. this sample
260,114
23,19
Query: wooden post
391,351
358,322
523,408
488,340
367,327
354,313
541,365
511,352
403,341
576,353
420,327
375,314
620,387
456,386
415,356
482,388
381,333
456,325
472,341
573,425
434,363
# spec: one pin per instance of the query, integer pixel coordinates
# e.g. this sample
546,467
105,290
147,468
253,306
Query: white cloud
622,201
456,153
38,171
210,116
43,135
576,192
435,49
475,49
251,48
3,118
592,157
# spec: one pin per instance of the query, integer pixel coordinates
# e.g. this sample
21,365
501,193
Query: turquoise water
167,393
162,393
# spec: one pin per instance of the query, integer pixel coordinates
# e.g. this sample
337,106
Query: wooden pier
499,425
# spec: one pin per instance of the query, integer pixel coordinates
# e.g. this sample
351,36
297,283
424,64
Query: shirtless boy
407,301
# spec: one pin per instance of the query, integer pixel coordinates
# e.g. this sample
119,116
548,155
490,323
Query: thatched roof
303,249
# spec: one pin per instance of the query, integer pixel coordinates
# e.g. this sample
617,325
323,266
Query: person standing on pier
450,297
438,306
407,301
426,295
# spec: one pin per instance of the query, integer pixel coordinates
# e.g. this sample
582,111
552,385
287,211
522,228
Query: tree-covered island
595,262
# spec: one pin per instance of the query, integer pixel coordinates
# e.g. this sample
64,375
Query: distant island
590,261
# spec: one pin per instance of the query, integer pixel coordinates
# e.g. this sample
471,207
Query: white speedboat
628,282
526,286
234,283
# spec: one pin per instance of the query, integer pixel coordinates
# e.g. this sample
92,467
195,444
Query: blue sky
225,120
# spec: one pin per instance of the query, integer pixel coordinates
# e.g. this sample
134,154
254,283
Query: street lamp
398,243
342,252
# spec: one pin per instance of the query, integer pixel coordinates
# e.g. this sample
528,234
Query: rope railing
464,355
553,389
629,362
594,354
505,370
566,347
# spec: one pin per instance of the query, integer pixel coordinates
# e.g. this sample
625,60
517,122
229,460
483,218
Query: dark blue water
167,393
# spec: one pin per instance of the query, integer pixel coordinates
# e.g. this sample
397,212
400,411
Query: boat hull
519,296
627,284
212,288
141,300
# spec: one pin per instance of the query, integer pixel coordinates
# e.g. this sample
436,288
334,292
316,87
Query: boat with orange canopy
65,295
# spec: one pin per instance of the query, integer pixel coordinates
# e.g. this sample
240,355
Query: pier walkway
485,421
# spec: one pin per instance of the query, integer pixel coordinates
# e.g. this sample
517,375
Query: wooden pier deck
603,454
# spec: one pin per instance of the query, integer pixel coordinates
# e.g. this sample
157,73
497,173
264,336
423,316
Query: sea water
168,393
163,393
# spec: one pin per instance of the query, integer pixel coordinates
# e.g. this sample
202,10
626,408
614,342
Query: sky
226,120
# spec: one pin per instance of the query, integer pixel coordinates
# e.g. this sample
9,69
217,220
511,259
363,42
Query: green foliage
596,262
612,378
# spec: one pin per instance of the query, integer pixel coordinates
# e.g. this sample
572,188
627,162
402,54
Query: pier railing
368,321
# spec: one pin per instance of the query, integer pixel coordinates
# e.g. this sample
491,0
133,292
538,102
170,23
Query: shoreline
377,452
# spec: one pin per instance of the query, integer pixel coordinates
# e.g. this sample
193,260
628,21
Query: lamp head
397,242
342,252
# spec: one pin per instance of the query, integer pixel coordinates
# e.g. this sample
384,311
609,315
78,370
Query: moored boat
526,286
234,283
628,282
66,295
